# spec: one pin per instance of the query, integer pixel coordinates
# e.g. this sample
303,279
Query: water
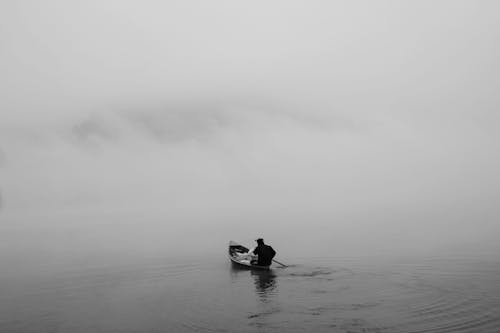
209,295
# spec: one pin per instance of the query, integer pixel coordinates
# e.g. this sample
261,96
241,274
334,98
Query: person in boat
265,253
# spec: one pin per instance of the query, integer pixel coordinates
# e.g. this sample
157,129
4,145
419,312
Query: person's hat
259,240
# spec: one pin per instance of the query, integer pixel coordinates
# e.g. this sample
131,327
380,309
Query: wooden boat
237,256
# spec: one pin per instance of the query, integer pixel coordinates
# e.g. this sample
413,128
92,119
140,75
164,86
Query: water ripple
209,296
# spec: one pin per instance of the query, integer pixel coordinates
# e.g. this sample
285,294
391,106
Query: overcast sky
335,122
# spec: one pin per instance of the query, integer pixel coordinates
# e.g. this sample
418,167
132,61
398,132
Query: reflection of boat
239,258
265,282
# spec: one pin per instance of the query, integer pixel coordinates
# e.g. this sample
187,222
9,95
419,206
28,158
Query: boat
238,259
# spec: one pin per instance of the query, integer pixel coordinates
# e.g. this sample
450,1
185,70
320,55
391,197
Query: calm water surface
320,295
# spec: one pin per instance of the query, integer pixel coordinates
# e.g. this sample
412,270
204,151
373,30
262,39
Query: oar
276,261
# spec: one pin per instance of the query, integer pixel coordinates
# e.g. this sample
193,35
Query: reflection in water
265,283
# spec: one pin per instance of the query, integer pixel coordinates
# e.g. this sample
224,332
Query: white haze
169,127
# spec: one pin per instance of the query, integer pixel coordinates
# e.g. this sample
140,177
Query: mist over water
136,136
150,179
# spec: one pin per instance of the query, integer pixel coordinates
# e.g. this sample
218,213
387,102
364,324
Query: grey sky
359,118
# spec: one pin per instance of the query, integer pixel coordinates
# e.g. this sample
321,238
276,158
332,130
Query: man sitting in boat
265,253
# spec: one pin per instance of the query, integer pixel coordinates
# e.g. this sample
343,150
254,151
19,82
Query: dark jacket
265,253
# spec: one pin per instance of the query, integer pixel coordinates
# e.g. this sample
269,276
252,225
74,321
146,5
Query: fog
328,128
